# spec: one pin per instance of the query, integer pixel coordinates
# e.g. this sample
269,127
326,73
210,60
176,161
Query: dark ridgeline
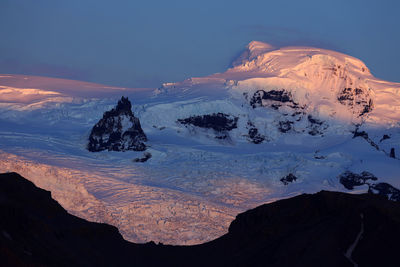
109,133
307,230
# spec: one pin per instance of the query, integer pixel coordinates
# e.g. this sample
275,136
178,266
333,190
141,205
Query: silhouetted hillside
323,229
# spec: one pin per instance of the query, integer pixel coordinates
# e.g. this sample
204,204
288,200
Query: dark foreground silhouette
323,229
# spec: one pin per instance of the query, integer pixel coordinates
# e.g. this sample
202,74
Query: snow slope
220,144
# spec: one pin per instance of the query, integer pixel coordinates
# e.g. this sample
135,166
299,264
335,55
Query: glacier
302,111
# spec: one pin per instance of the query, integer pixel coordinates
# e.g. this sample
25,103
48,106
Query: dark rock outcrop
384,137
357,99
392,153
285,126
349,180
283,98
364,135
314,121
118,130
146,157
316,126
275,98
307,230
255,137
290,178
219,122
385,189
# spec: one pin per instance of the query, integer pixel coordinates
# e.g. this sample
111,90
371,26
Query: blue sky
145,43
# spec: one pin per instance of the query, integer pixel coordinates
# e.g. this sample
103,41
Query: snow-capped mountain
278,123
329,84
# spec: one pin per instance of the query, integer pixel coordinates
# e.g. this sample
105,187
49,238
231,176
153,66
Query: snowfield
279,123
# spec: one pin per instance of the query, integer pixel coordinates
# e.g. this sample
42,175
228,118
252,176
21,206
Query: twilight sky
145,43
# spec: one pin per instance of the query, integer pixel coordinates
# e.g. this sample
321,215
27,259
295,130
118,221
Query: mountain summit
253,49
118,130
328,84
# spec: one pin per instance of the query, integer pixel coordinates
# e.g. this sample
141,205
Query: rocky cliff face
118,130
221,123
357,99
